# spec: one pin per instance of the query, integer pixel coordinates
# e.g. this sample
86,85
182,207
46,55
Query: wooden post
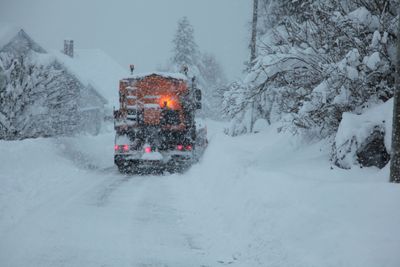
395,154
253,43
69,47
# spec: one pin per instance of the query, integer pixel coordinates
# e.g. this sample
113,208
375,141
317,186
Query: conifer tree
185,50
205,67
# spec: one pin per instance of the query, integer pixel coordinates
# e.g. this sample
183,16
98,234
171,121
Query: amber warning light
169,102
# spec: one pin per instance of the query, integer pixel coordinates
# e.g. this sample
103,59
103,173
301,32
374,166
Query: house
96,72
100,75
95,68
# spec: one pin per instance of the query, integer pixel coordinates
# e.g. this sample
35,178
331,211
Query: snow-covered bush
316,61
236,104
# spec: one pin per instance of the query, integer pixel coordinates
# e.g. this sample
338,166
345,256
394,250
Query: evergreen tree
205,67
185,50
214,78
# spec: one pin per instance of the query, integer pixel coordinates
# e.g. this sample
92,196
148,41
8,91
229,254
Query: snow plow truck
155,124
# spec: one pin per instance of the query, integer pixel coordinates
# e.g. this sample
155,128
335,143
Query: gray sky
136,31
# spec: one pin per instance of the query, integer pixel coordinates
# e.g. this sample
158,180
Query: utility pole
254,32
253,43
395,155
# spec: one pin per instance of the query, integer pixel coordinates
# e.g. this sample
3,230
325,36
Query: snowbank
355,129
34,171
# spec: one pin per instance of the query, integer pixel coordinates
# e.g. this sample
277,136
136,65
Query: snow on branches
316,60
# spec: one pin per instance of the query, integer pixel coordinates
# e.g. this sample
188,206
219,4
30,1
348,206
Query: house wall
91,110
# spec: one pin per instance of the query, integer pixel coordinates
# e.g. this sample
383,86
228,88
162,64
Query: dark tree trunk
253,42
254,32
395,157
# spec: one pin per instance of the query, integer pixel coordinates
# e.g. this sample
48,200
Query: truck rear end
155,124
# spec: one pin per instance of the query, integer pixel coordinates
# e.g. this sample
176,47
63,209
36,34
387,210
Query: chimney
69,47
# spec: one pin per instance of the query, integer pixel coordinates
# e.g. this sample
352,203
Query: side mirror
198,105
197,94
117,114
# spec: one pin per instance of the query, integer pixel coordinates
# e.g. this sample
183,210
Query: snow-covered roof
178,76
17,40
94,67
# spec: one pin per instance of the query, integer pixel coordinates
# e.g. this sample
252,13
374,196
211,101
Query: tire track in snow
85,161
151,201
79,159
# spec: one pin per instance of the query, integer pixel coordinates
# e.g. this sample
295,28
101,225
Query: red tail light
125,148
116,147
147,149
189,147
179,147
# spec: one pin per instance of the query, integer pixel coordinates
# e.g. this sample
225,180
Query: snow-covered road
119,221
97,218
257,200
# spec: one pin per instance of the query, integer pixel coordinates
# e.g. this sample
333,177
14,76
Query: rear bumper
136,160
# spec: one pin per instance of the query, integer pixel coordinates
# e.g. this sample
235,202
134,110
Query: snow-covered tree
213,78
185,51
204,66
38,97
316,53
317,60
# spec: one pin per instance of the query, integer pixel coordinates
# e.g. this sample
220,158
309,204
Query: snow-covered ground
255,200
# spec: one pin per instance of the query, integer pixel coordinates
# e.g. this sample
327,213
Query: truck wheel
120,168
124,166
176,167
